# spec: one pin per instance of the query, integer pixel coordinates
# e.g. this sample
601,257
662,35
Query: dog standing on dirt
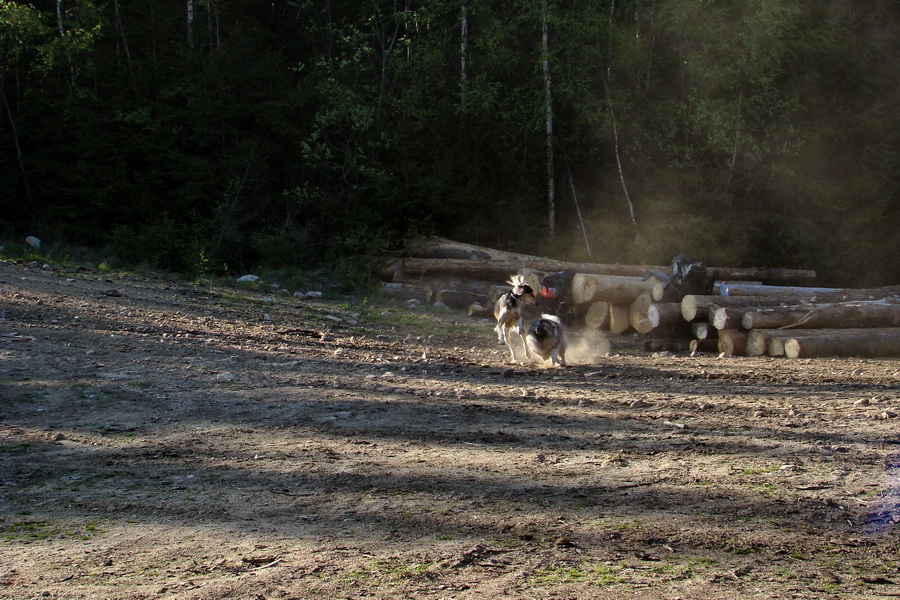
508,311
547,338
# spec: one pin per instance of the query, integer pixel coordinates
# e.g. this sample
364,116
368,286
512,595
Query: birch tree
548,118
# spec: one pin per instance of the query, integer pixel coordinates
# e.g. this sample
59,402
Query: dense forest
213,135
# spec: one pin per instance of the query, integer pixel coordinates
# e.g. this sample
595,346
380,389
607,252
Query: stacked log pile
754,310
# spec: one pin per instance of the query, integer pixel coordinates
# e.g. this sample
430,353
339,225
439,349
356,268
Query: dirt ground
164,439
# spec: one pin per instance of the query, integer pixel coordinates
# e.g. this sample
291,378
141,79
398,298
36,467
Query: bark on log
597,315
704,345
874,343
608,288
480,311
732,342
619,318
696,308
879,313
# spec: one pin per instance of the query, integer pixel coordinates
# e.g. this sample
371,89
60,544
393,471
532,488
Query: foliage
317,134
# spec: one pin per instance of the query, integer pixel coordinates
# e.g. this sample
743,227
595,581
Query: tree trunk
619,318
463,52
597,315
732,342
548,108
878,313
609,288
873,343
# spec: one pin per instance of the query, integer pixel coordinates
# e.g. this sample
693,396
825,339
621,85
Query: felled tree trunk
820,316
873,343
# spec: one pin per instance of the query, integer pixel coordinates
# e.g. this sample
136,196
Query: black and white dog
508,311
547,339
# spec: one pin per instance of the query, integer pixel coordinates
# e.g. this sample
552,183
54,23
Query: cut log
873,343
878,313
696,308
718,286
666,320
619,318
821,295
745,289
640,321
597,315
480,311
732,342
608,288
663,292
704,345
726,317
703,330
438,255
771,276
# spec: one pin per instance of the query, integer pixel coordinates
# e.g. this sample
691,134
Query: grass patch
31,531
589,573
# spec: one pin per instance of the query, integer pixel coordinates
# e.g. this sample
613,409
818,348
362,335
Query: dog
547,339
508,311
